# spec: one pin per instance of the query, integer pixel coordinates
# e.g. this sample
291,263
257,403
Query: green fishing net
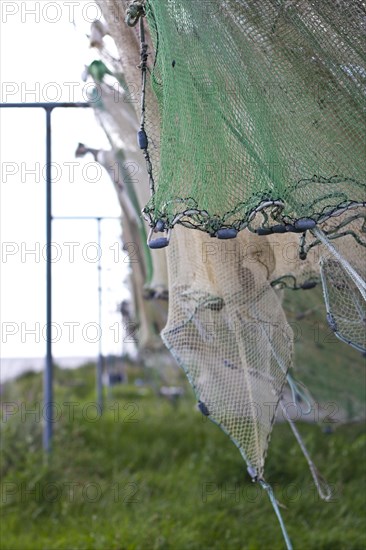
260,104
261,126
253,120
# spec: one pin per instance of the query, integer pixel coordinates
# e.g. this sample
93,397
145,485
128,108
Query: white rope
322,486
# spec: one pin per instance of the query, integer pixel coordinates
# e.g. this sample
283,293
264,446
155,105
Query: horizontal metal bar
47,105
100,218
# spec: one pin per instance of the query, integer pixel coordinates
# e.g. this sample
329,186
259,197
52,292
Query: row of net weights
298,226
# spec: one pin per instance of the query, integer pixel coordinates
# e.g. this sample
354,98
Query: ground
150,476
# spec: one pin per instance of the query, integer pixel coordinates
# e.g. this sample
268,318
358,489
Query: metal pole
99,363
99,372
48,372
44,105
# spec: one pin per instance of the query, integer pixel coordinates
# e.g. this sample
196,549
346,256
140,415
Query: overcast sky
42,58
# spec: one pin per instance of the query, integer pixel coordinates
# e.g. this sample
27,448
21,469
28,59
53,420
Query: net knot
133,13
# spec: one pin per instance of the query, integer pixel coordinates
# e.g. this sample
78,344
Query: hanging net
343,275
116,114
227,329
252,130
260,109
261,127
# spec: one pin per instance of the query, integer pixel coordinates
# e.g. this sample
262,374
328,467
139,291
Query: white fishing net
227,329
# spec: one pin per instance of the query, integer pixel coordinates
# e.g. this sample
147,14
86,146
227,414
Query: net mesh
253,113
259,128
262,128
344,290
254,99
114,107
254,119
347,312
227,329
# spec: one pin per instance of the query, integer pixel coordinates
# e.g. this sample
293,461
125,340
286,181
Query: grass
148,476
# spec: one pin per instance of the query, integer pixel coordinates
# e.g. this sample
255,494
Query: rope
321,484
266,486
274,503
133,13
298,395
136,12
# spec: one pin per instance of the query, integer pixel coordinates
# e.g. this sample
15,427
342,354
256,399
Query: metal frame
48,371
99,365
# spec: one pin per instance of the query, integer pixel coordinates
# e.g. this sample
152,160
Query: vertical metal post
48,371
99,372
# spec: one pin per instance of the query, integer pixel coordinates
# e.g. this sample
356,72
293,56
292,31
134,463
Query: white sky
42,59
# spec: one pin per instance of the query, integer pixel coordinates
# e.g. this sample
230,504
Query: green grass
170,479
150,476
